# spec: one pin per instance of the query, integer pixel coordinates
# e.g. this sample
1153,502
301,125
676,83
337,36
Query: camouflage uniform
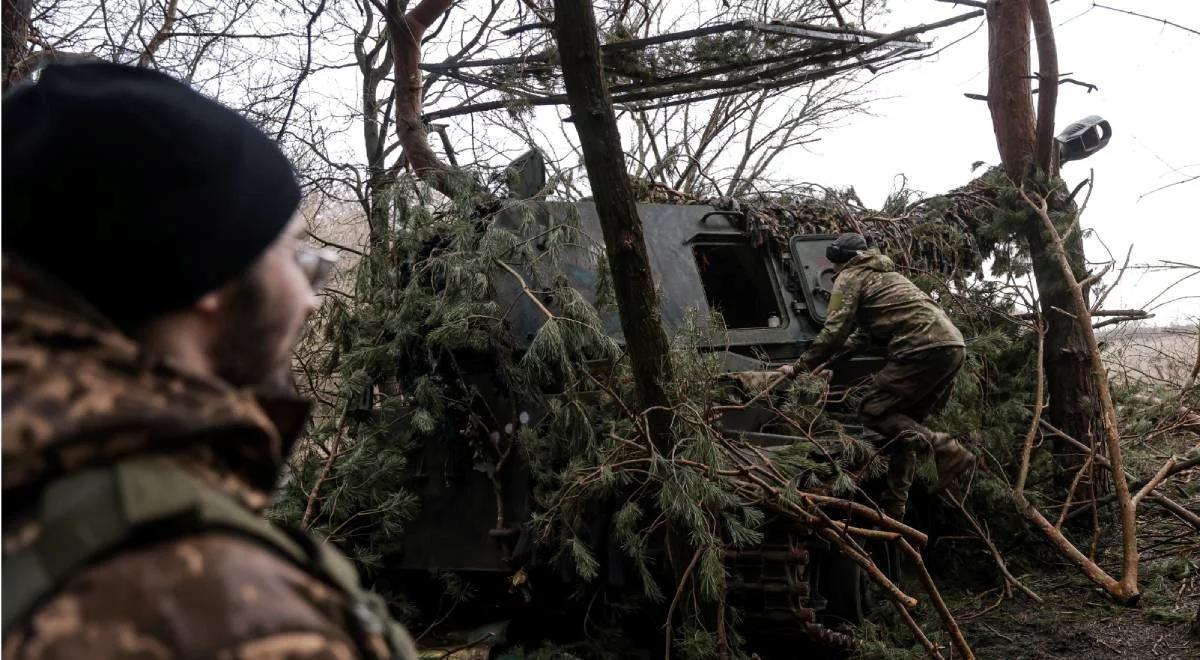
924,350
80,397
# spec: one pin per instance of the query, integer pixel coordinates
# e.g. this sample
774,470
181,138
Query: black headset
845,247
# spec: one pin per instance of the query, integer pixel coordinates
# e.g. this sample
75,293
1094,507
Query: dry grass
1150,354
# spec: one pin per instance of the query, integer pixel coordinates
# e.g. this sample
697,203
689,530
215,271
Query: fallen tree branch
1121,319
1157,479
1090,569
1178,467
987,540
919,634
1119,312
1125,590
1038,406
310,505
939,605
683,579
1175,508
1083,469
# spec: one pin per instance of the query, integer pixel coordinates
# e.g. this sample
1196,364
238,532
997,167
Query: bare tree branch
1151,18
162,35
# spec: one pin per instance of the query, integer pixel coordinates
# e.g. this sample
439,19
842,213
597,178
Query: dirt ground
1076,620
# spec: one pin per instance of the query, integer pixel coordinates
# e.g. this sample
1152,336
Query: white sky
923,127
1146,73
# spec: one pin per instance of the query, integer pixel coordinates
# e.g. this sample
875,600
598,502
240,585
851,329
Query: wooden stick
983,536
1175,508
1163,473
918,633
1038,406
310,506
687,572
869,566
1062,516
931,589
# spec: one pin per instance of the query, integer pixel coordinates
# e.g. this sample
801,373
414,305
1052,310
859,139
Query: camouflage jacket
885,307
79,395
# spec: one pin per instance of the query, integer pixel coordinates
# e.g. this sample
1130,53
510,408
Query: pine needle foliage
425,317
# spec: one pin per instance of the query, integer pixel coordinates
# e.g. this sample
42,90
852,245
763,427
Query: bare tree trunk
1009,89
637,299
1045,153
14,40
1080,402
405,33
596,123
1027,149
380,179
162,35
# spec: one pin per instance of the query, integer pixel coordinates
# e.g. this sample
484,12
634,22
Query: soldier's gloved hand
792,370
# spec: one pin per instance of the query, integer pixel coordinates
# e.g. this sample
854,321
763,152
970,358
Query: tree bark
637,299
14,40
380,179
1045,155
1079,398
1028,153
163,33
404,35
625,245
1009,88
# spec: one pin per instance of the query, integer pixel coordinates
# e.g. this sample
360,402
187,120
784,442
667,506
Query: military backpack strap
87,515
368,611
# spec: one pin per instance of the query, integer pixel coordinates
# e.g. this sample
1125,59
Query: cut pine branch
1125,590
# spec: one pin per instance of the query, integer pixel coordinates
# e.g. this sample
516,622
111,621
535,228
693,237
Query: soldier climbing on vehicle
924,353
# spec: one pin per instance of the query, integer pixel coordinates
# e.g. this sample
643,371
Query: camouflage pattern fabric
868,294
78,394
908,389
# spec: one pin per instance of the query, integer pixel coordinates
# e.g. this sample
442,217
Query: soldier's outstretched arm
839,321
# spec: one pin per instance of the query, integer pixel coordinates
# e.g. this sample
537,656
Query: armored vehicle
771,292
772,295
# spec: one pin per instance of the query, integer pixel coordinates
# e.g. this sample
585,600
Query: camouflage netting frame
943,234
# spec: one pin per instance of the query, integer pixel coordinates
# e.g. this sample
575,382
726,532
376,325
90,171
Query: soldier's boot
902,464
893,501
952,460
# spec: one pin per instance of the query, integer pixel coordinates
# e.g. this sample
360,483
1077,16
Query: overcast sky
1146,74
923,127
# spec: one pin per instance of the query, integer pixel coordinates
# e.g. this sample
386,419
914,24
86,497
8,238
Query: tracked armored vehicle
772,296
772,293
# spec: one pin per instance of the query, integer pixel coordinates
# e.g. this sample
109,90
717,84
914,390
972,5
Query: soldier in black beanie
153,281
135,190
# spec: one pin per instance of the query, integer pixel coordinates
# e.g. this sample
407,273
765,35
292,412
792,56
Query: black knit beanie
136,190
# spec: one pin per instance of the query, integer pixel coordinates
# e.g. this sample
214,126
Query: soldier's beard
251,351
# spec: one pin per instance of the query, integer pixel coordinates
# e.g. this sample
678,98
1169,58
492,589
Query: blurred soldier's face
264,315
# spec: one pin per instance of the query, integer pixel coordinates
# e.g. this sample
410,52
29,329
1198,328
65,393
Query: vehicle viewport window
737,284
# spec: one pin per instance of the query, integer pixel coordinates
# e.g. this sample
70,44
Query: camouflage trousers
903,394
